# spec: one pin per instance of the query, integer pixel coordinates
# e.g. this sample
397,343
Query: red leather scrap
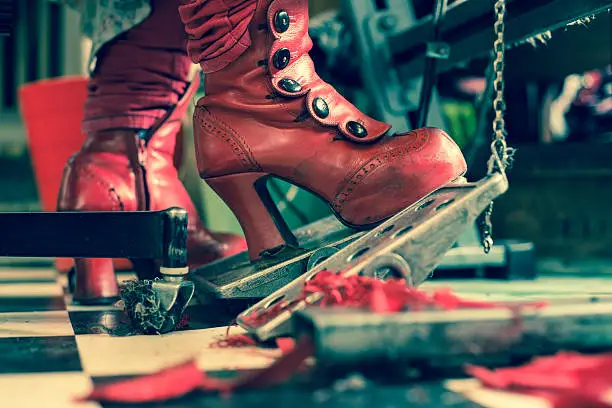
565,379
285,344
185,378
164,385
377,296
235,341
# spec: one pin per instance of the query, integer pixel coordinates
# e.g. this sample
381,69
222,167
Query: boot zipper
142,153
142,163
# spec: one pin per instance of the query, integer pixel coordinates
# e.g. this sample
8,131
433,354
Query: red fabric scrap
374,295
184,322
280,371
257,319
285,344
235,341
180,380
565,379
164,385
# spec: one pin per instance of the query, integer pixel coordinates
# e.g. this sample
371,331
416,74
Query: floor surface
52,351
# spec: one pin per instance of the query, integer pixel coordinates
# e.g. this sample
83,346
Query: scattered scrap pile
565,379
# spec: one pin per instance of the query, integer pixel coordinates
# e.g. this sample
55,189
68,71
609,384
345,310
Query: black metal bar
56,43
483,129
141,234
430,74
32,38
468,29
7,17
8,57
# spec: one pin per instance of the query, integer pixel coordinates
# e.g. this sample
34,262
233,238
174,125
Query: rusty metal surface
446,339
419,235
236,277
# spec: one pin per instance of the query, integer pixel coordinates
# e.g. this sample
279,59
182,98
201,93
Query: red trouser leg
140,74
217,30
144,71
139,77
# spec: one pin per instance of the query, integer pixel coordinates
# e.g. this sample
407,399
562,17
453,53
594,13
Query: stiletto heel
247,196
95,282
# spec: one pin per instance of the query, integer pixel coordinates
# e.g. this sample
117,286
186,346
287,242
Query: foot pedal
409,245
237,278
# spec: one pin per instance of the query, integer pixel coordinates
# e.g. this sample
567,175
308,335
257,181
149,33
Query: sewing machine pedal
237,278
409,245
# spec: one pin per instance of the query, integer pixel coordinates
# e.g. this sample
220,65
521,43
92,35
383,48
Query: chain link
501,154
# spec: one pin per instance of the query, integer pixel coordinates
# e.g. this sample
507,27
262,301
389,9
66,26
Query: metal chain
501,154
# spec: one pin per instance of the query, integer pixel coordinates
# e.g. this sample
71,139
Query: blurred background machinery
559,93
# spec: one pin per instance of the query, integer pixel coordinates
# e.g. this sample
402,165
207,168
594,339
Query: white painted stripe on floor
102,355
31,290
25,274
35,324
49,390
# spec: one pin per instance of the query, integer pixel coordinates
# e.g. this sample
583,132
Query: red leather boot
267,113
117,171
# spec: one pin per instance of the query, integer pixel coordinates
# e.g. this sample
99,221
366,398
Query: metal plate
421,235
99,234
236,277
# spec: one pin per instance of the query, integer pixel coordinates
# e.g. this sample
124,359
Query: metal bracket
174,290
174,296
420,235
437,50
237,277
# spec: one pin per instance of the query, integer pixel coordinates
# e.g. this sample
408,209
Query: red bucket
52,111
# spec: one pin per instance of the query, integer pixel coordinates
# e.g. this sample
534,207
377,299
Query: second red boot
118,171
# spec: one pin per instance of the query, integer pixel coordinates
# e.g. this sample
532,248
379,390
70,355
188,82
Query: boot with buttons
268,114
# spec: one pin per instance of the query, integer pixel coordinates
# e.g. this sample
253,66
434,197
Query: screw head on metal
387,23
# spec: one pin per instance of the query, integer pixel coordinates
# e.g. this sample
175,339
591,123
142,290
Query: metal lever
435,50
174,291
410,244
237,278
169,296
